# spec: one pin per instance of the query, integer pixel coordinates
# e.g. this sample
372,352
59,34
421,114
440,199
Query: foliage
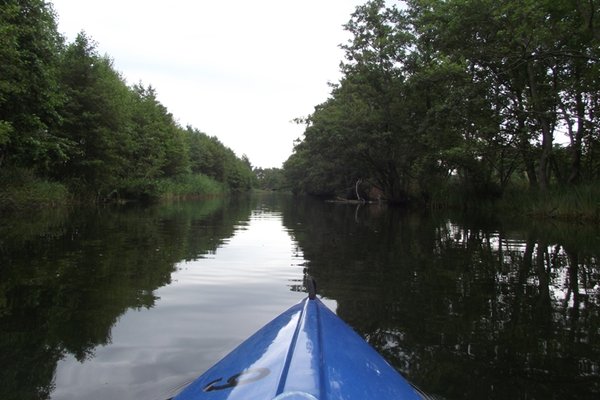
191,185
466,96
29,48
69,117
580,203
20,187
270,178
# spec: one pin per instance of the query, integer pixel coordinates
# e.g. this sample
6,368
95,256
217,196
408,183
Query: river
135,302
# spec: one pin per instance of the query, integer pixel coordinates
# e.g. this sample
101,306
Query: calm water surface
135,303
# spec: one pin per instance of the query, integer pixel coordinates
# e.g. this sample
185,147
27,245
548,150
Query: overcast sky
240,70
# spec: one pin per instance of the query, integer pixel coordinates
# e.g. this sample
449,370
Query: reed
20,189
578,203
189,186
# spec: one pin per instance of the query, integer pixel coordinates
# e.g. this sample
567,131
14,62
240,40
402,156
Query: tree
270,178
527,53
29,46
360,132
159,144
95,119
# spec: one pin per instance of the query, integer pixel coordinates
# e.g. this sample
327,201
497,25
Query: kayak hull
305,353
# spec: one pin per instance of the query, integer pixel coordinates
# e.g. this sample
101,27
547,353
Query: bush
570,202
20,189
140,189
189,186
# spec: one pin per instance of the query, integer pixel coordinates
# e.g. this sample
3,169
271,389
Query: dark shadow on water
467,307
67,277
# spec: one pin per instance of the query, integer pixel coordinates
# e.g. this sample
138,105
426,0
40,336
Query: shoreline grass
21,190
577,203
570,203
190,187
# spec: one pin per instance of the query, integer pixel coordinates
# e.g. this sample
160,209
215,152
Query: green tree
95,117
534,57
29,48
359,133
67,115
270,178
210,157
159,144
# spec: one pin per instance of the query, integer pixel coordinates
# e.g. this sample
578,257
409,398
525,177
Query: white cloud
239,70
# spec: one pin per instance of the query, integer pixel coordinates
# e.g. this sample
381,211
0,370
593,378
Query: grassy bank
570,203
21,190
190,186
576,203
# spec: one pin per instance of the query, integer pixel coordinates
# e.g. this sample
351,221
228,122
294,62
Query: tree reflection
66,279
465,308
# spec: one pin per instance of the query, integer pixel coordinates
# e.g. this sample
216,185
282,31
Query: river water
134,303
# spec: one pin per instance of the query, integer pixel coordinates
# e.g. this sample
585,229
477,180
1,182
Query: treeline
70,123
476,97
270,179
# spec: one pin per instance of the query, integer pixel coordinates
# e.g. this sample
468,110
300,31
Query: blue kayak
305,353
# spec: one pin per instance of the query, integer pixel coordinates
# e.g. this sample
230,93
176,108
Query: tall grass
569,203
455,196
20,189
580,203
189,186
181,187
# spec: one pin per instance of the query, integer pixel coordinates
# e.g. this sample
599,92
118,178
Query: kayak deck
305,353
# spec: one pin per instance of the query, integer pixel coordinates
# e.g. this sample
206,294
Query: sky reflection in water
464,306
213,303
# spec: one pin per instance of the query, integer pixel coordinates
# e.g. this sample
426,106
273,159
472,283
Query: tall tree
95,117
521,50
159,147
29,48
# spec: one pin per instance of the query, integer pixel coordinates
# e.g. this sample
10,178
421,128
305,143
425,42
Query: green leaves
29,45
68,115
474,89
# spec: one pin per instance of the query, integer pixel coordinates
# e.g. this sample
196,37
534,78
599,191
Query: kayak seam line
290,354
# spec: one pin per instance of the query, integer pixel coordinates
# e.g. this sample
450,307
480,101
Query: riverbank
574,203
570,204
21,190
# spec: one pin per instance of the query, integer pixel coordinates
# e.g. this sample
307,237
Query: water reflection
66,280
465,308
213,301
134,303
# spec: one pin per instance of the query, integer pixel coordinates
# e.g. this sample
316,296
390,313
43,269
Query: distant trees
466,93
270,179
210,157
67,115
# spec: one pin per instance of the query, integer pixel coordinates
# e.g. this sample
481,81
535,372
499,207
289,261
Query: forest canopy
481,96
68,119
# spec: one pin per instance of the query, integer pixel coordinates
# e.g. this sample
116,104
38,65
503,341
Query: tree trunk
547,135
576,141
524,144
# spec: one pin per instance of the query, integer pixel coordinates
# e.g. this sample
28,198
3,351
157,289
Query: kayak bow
307,353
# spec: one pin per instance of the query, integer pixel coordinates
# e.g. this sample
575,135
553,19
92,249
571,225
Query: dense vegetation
270,179
481,98
71,126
